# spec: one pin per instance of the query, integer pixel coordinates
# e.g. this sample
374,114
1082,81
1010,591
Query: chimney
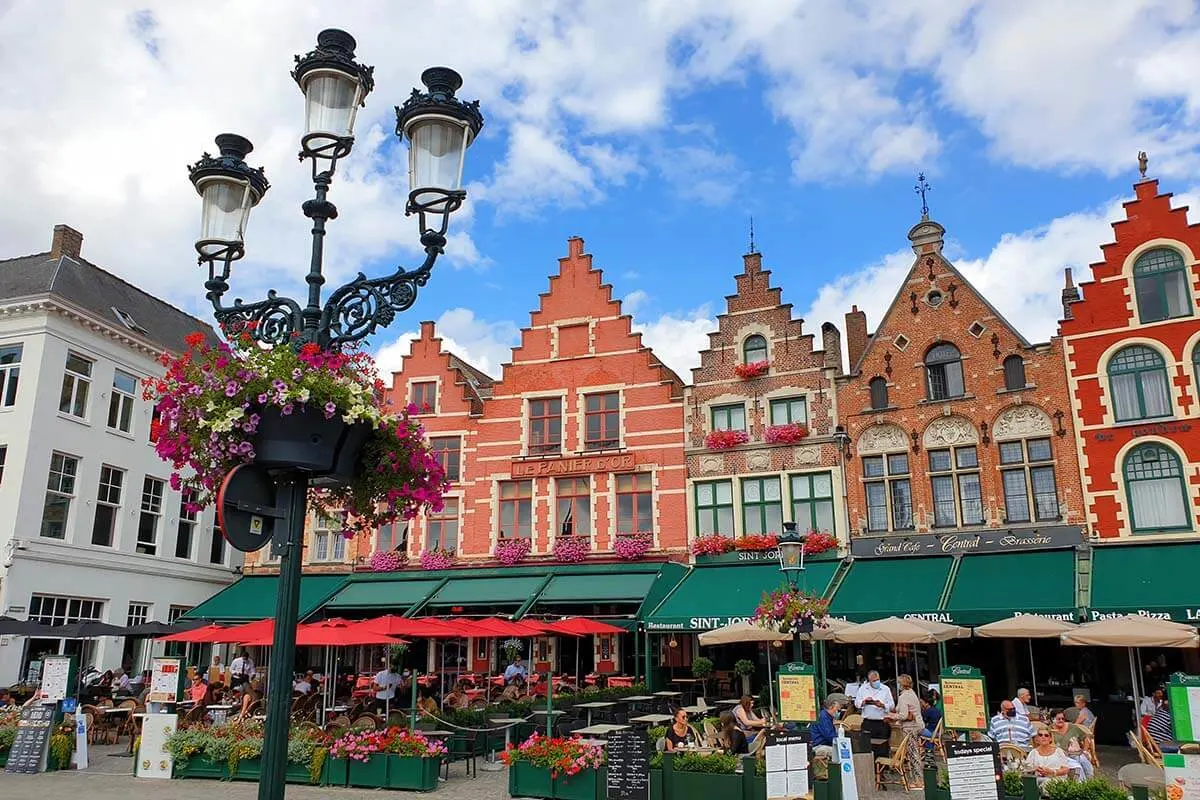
66,242
831,341
856,336
1070,295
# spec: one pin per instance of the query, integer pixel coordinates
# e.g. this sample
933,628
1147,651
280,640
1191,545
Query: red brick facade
581,432
1132,349
949,423
752,487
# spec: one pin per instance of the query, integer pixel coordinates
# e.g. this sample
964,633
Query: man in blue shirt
1008,727
823,731
516,670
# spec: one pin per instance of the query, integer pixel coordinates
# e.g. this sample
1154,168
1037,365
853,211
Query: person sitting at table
250,695
1149,705
198,690
732,741
1071,739
1084,715
120,682
1161,729
1009,728
680,733
931,715
513,691
516,670
1045,759
747,721
6,699
823,731
303,685
427,706
457,699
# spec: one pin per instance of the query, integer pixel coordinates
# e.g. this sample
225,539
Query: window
175,612
900,342
812,502
51,610
754,349
326,533
443,527
879,393
729,418
389,538
152,498
77,380
108,506
186,528
1196,364
1137,376
545,426
120,403
1158,494
977,329
1160,280
138,614
762,506
60,488
1028,486
602,421
448,451
943,368
889,492
216,547
635,503
573,505
3,457
10,373
954,478
424,396
516,509
1014,372
789,410
714,508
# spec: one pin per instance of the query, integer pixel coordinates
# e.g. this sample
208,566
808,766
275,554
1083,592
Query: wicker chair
896,763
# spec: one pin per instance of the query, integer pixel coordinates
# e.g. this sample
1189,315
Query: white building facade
89,526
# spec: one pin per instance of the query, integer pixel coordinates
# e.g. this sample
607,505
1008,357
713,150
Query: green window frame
1196,365
714,508
812,502
1138,384
754,349
730,417
762,506
1161,285
1152,472
788,410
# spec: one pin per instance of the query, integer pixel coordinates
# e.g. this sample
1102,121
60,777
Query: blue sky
654,130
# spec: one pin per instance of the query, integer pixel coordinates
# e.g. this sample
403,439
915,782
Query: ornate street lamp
791,553
439,128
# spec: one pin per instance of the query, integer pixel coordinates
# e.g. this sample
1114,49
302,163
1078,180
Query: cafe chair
1012,757
892,769
1144,753
853,723
757,745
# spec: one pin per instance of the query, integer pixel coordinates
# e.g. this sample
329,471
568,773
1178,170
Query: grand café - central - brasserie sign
991,541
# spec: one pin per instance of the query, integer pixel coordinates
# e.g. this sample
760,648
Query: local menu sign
628,766
992,541
572,466
786,765
1183,694
1183,776
28,751
974,770
797,693
56,677
964,699
165,674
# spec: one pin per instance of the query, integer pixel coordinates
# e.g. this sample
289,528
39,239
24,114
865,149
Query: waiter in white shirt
384,683
1021,702
241,671
874,701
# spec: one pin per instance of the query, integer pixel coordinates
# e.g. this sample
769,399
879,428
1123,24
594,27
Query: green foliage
7,736
656,761
943,778
656,733
712,763
743,667
702,667
317,764
1013,786
1093,789
62,745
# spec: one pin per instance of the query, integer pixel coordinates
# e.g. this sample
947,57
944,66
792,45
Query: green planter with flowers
527,780
413,773
391,759
368,773
555,769
333,772
246,769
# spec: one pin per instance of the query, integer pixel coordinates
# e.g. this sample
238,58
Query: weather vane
752,250
923,188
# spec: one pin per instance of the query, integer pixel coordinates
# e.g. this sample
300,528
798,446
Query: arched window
1157,493
754,349
879,393
1161,282
1138,383
1014,372
943,365
1196,365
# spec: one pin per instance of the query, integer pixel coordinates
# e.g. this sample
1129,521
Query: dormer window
128,321
754,349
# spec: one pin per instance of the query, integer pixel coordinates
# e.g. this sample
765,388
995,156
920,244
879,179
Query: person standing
384,685
216,673
1021,702
241,671
874,701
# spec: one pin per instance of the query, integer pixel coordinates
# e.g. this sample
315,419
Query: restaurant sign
1174,614
1002,540
572,466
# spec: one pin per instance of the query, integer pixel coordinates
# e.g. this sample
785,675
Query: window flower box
711,545
791,433
512,551
571,549
754,369
723,440
756,542
437,559
631,547
388,560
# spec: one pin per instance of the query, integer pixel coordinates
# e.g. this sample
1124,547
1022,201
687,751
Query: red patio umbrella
323,635
496,628
422,628
581,626
196,636
251,631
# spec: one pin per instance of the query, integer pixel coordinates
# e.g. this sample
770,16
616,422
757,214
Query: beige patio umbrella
897,630
747,631
1027,627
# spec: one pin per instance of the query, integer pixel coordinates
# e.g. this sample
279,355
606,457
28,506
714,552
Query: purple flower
231,388
330,410
286,409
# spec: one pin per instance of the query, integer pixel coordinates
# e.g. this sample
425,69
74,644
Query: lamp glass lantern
228,189
331,101
436,155
791,552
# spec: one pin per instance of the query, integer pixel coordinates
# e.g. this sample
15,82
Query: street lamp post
439,128
791,564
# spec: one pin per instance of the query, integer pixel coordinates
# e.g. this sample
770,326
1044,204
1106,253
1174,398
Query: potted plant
631,547
9,717
702,668
744,668
789,610
571,549
237,403
713,544
62,746
365,754
723,440
790,433
818,542
555,768
413,761
437,558
752,370
756,542
512,550
388,560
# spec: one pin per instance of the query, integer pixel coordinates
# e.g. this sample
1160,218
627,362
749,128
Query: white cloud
635,300
483,344
678,337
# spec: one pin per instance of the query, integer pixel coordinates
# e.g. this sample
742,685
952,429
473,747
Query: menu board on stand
974,770
166,683
58,677
797,693
1183,695
963,699
29,749
787,765
628,766
153,760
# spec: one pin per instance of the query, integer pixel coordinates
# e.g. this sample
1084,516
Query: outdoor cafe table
730,703
508,723
601,730
651,719
688,685
591,706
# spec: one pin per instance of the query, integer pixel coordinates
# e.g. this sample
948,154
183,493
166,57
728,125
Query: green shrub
702,667
743,667
1013,785
1092,789
713,763
7,736
657,732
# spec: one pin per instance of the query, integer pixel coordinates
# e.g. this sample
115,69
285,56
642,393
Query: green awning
1150,579
597,588
513,591
253,597
885,587
390,596
993,587
710,597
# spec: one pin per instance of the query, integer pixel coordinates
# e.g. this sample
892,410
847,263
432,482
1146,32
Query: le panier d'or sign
573,466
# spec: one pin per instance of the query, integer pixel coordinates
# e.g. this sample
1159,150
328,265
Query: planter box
3,759
932,792
333,772
587,785
297,773
691,785
369,774
248,769
412,773
202,767
526,780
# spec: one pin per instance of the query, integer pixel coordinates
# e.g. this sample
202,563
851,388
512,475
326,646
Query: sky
655,130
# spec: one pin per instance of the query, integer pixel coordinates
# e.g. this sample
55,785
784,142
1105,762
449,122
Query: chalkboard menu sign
974,770
628,766
33,734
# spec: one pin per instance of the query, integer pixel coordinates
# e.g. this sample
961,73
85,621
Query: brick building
1133,353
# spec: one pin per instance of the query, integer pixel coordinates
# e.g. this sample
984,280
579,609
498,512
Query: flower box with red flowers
754,369
792,433
712,545
759,548
756,542
723,440
555,769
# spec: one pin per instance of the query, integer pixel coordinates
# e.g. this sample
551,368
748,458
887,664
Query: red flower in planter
756,542
792,433
712,545
723,440
752,370
818,542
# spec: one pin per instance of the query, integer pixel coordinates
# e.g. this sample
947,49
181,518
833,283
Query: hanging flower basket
792,433
388,560
571,549
789,609
631,547
712,545
723,440
437,559
512,551
752,370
